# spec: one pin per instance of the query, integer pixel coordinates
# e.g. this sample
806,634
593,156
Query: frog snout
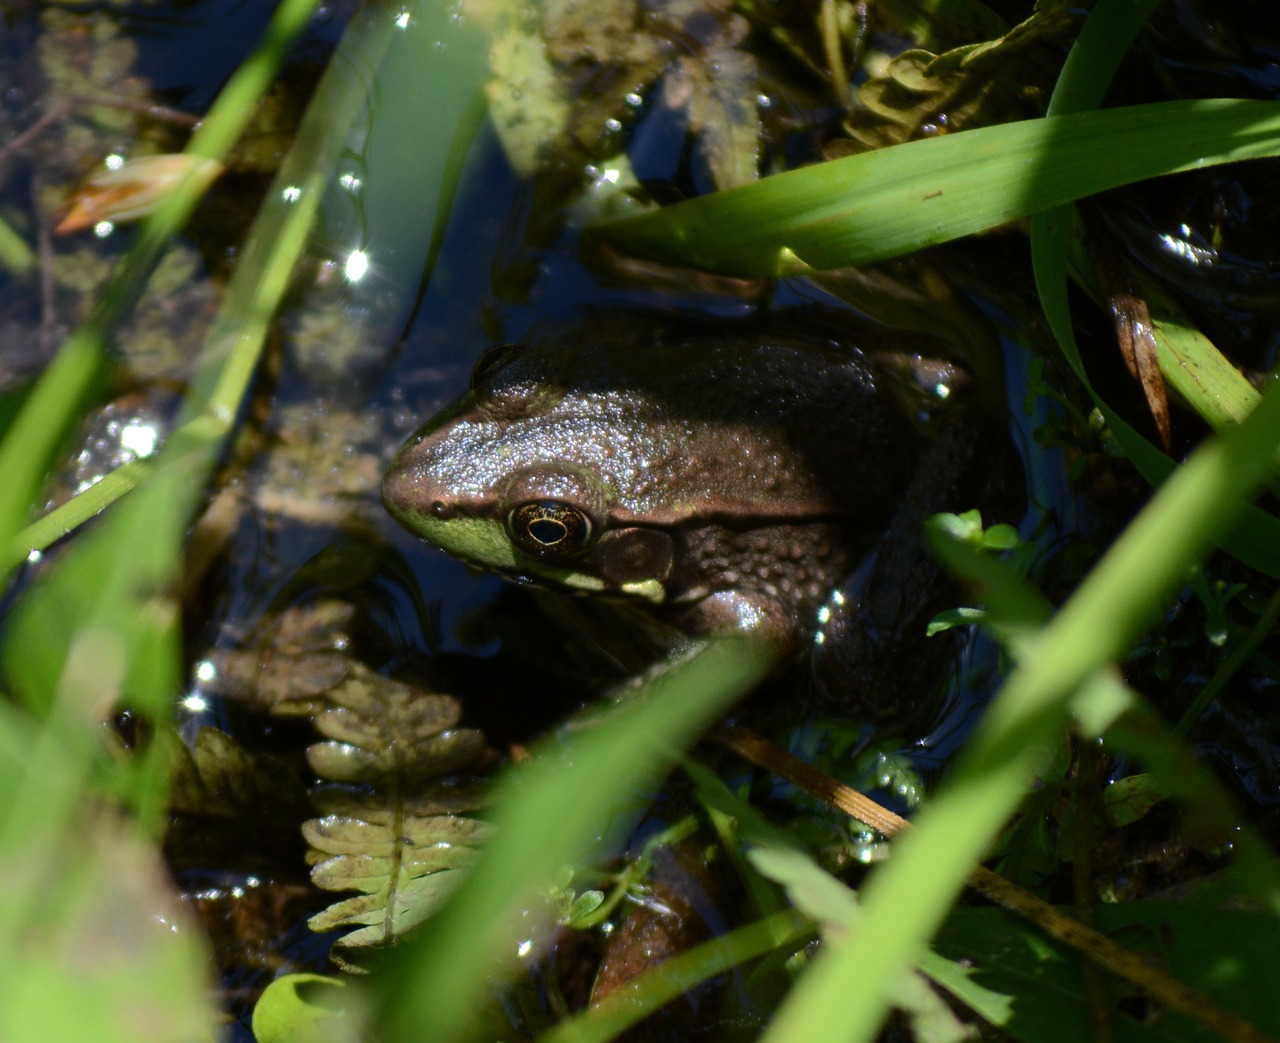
407,490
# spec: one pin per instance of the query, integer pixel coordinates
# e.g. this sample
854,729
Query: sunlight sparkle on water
139,438
357,265
403,19
103,229
291,194
195,703
114,161
206,671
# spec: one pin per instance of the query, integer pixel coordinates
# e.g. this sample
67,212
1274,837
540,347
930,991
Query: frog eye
548,528
490,360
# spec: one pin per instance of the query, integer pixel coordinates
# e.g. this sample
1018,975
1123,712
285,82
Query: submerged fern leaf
403,879
401,840
216,777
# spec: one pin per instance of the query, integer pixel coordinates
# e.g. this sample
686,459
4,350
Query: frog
731,479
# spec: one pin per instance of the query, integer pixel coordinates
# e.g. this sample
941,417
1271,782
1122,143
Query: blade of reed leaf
15,254
680,974
65,386
547,813
894,200
843,995
1081,86
351,93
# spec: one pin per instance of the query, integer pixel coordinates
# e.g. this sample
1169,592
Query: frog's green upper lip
471,530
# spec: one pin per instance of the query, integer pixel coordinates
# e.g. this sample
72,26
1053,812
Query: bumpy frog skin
731,482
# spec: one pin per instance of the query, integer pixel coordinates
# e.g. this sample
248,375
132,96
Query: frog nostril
441,509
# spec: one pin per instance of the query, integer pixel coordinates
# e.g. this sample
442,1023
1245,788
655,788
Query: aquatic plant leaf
812,890
1129,799
941,24
717,85
134,189
1033,988
382,730
527,101
404,844
217,776
404,867
539,102
291,668
822,897
418,838
389,912
308,1008
972,85
566,77
437,755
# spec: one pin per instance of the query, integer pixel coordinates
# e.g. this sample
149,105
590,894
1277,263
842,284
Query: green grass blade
843,995
66,385
15,254
1091,63
546,814
376,40
1217,393
677,976
98,628
1196,369
880,204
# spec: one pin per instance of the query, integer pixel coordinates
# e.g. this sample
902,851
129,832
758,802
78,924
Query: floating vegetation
397,830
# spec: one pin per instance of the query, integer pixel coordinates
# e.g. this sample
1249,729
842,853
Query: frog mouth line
577,583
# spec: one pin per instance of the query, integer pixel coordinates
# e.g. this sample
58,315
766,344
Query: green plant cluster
93,943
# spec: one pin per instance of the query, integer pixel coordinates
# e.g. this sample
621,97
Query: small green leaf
966,528
1130,798
955,617
307,1008
812,890
583,906
1001,537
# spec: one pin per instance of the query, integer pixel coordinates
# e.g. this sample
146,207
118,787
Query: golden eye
491,360
548,528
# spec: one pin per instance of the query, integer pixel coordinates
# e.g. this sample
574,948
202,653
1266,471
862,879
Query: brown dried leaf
133,190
